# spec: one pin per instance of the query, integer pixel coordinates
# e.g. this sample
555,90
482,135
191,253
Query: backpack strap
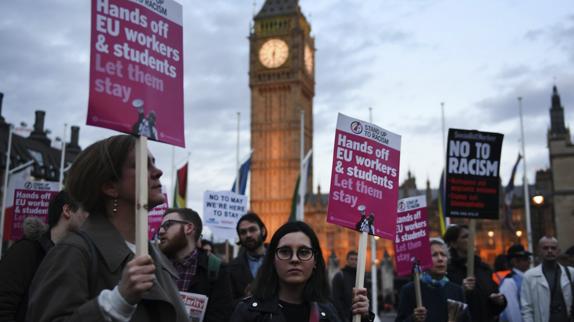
213,266
93,262
567,269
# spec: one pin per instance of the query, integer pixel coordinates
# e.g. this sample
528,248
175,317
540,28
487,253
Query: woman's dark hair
452,233
266,284
56,206
98,164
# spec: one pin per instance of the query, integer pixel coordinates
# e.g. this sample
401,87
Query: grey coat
65,287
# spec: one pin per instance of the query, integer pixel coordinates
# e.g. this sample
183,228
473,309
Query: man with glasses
243,268
199,272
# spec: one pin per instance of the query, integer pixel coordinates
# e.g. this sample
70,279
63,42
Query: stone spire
278,8
557,124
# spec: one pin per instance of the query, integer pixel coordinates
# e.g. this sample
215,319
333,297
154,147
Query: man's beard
177,243
251,244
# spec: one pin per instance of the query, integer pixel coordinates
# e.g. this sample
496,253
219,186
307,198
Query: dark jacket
482,308
218,290
17,268
66,287
434,300
240,277
342,290
253,310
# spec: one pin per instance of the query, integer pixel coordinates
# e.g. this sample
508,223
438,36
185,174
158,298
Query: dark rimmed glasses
168,223
286,253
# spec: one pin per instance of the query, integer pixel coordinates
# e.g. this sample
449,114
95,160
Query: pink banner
154,218
31,203
136,68
364,179
412,239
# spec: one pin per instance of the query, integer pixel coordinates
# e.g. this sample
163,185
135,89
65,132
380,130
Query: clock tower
281,79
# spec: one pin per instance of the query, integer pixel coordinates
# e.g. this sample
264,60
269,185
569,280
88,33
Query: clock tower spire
281,79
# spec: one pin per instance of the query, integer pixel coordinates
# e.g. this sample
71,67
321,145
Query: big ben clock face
309,59
273,53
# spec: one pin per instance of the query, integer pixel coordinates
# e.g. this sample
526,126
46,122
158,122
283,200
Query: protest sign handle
470,249
141,202
417,283
360,275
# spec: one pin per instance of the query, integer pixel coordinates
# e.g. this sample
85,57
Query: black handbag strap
567,269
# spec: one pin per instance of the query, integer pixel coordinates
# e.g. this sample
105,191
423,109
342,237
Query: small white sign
221,211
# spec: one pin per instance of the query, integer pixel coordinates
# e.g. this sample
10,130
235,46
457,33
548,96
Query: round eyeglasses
286,253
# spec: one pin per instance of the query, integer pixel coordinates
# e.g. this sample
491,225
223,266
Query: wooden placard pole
470,249
227,249
417,282
141,202
360,276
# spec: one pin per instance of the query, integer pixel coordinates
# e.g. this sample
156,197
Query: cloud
512,72
560,35
536,100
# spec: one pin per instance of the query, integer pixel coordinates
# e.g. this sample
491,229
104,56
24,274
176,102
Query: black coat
240,277
253,310
17,268
434,300
218,290
482,308
342,290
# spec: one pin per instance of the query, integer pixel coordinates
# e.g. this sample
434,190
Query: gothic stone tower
281,78
561,152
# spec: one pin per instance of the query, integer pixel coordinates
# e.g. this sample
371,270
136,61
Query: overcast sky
400,57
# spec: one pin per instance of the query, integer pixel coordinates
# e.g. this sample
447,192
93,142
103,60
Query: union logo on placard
401,206
356,127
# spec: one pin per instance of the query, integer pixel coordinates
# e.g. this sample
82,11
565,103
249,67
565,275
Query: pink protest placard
31,201
136,68
412,239
154,218
364,178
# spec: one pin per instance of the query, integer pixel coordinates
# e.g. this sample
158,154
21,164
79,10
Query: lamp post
538,201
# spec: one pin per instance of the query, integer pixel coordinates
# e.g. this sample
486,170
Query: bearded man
243,268
199,272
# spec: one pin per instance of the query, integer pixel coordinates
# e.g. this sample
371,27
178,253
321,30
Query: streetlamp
538,201
490,238
519,233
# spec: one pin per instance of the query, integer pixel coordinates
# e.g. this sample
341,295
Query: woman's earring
115,206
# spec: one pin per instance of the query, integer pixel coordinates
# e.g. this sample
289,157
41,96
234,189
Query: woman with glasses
292,285
94,275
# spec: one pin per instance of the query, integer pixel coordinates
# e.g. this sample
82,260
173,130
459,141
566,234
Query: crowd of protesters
514,293
84,267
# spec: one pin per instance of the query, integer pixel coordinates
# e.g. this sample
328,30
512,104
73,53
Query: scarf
427,279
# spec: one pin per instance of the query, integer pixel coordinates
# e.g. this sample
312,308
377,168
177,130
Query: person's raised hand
497,298
469,283
360,301
137,278
420,314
